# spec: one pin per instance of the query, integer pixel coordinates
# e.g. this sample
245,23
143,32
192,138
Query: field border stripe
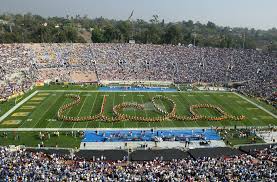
4,116
255,104
90,91
116,129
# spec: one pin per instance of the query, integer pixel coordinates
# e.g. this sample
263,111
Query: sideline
17,106
118,129
100,91
260,107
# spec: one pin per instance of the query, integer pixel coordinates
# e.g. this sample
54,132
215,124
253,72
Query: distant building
132,41
4,22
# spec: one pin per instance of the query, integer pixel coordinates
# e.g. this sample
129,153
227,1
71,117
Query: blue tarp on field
149,135
137,89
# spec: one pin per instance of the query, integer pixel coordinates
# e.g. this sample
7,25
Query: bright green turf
68,87
31,139
44,115
5,106
231,137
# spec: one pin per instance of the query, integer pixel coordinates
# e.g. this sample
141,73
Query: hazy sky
246,13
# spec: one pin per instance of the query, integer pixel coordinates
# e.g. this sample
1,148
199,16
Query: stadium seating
251,70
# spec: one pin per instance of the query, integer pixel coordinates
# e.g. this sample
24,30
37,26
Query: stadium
73,96
128,111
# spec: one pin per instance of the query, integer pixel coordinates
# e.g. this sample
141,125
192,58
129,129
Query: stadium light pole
132,26
194,37
243,42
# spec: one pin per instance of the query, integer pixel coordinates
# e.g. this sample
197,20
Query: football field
40,109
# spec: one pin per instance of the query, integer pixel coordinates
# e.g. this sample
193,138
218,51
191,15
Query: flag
131,15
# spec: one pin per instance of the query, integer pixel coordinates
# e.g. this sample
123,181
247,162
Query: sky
259,14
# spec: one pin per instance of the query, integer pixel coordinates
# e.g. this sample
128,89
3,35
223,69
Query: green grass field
40,111
231,137
31,139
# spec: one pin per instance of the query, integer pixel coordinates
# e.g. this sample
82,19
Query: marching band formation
119,116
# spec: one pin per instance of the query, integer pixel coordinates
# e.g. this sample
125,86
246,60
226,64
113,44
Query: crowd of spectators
253,70
15,69
63,62
23,165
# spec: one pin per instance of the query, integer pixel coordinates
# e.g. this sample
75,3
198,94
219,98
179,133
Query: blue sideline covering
136,89
149,135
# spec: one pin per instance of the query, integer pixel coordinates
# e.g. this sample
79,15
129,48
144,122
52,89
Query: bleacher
153,154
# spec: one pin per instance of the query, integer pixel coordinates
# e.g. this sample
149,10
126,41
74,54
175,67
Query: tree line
27,28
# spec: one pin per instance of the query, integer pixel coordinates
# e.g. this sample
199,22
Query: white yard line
113,106
80,110
38,120
92,109
113,98
68,111
260,107
17,106
164,105
144,109
56,119
188,101
133,102
134,109
123,121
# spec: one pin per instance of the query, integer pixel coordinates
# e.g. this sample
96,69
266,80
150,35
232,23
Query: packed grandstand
36,165
23,65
